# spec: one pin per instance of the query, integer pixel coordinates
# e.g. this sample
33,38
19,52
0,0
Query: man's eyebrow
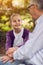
30,5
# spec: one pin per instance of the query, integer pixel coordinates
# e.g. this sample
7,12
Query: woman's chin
17,27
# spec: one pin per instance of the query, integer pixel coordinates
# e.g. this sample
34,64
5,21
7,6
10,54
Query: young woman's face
16,22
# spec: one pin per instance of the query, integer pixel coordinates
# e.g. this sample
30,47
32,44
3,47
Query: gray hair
39,3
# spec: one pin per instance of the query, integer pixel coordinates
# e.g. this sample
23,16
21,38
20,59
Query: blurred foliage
8,7
4,18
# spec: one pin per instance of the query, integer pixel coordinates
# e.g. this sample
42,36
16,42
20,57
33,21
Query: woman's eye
18,20
14,21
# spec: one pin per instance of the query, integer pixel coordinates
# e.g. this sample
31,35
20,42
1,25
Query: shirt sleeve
30,48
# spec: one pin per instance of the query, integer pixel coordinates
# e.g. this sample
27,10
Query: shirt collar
40,18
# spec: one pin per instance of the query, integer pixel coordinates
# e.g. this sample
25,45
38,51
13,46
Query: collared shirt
37,59
33,45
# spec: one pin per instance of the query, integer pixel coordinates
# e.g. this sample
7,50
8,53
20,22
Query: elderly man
33,48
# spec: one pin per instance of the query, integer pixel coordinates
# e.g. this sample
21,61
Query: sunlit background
7,8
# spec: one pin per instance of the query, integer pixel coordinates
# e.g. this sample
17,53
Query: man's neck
39,14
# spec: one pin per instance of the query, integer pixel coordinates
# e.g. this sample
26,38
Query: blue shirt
33,45
37,59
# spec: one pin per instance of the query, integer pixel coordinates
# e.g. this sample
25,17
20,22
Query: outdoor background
7,8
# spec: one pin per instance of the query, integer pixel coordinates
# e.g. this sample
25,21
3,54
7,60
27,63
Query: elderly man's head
39,3
35,8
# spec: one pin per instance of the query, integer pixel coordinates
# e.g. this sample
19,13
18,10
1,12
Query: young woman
16,37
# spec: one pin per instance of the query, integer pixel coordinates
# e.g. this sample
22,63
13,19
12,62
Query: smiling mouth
17,25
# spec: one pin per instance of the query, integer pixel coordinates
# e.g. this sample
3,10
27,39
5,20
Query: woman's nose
17,22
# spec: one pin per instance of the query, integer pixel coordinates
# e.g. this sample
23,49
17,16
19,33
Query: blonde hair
14,15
